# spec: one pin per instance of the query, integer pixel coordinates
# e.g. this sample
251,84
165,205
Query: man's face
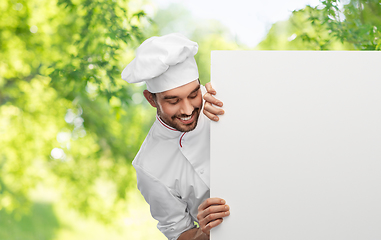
180,107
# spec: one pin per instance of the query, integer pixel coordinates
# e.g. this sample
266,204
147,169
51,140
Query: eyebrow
172,97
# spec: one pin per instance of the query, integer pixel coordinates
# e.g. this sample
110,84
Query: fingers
208,97
211,112
211,201
211,116
210,109
206,228
211,213
209,88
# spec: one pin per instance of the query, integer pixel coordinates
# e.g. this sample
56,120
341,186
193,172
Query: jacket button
202,171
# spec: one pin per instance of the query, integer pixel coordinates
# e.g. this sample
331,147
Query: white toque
164,63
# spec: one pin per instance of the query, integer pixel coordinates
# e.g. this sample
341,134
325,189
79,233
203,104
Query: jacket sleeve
165,204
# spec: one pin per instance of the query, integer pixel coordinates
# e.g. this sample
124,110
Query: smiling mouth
186,118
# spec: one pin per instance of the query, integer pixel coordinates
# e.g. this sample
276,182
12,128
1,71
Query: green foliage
67,120
331,26
302,31
42,225
357,23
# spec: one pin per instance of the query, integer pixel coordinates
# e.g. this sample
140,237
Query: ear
149,97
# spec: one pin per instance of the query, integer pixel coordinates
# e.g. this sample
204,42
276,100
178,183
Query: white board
297,155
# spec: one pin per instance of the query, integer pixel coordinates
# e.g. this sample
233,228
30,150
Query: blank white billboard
297,155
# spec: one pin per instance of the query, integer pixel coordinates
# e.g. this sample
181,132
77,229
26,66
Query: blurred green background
70,127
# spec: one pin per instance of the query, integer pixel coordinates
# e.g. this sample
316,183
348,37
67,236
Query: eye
193,95
173,101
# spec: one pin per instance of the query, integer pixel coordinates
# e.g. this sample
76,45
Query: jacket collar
166,131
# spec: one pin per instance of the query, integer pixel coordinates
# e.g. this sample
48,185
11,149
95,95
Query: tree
67,120
299,33
357,23
330,26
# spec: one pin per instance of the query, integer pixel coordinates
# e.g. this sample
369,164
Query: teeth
186,118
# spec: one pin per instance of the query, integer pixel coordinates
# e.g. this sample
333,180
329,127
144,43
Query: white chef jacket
172,169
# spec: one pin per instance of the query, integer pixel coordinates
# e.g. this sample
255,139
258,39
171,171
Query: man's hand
209,110
211,213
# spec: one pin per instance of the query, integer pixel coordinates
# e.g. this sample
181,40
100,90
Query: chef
172,165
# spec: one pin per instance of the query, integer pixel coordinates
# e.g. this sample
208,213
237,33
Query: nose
186,108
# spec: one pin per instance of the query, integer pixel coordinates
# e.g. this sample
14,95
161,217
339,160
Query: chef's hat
163,63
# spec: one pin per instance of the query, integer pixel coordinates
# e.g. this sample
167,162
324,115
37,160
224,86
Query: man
172,166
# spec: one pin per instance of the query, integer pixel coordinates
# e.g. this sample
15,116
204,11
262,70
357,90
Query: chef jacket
172,170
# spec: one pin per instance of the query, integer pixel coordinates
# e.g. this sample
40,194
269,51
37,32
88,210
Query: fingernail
223,201
227,213
215,118
219,104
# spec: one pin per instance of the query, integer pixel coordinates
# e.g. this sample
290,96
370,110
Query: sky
248,20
